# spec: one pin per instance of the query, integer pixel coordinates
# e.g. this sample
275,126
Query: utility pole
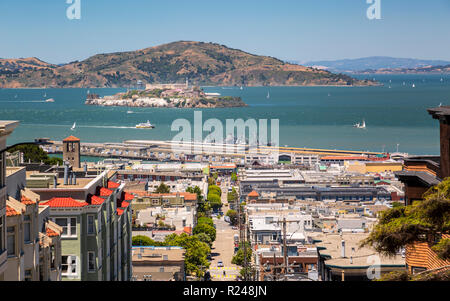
285,247
285,253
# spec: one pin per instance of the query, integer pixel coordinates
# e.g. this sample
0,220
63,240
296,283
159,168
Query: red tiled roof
71,139
27,201
96,200
113,185
125,204
51,233
253,194
187,230
11,211
64,202
105,192
128,196
119,211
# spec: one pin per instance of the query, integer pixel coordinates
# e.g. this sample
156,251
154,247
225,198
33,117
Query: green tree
205,220
142,241
232,196
196,256
207,229
35,154
420,222
203,237
397,204
233,215
215,201
238,258
163,188
234,177
214,189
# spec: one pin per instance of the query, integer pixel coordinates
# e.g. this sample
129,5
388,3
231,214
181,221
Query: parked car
220,264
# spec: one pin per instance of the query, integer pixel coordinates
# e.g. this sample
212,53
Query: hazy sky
287,29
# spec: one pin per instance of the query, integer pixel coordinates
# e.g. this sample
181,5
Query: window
161,269
2,248
100,257
69,225
91,262
11,233
27,228
99,221
28,275
90,225
69,265
52,257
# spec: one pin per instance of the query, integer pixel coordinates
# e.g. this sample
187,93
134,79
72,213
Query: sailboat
360,126
268,95
45,95
73,126
242,88
414,85
363,126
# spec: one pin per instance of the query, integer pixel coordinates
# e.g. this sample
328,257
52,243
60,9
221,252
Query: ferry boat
145,125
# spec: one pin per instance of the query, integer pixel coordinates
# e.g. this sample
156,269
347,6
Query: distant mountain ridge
420,70
202,63
374,63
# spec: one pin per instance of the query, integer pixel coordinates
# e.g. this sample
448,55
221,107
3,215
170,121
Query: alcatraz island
167,96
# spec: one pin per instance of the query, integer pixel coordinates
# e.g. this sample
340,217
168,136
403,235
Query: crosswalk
224,268
224,276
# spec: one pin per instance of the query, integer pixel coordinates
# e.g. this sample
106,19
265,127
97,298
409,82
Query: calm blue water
318,117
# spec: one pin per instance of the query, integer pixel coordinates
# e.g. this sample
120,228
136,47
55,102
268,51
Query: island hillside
202,63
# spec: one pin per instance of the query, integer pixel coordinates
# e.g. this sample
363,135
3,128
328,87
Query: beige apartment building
6,128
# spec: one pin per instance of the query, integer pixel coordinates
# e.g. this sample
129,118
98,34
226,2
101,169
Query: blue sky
288,29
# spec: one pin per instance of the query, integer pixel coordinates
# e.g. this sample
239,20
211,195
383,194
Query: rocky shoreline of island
166,96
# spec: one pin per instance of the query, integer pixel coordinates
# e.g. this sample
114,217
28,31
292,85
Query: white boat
414,85
45,94
268,95
73,126
130,112
50,100
242,88
145,125
360,126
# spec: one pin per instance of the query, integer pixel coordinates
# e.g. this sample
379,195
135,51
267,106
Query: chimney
55,181
343,248
443,115
85,167
74,178
66,173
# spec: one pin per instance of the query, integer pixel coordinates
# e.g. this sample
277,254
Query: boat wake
83,126
25,101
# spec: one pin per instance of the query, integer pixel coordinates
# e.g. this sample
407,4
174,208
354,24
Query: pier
153,150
